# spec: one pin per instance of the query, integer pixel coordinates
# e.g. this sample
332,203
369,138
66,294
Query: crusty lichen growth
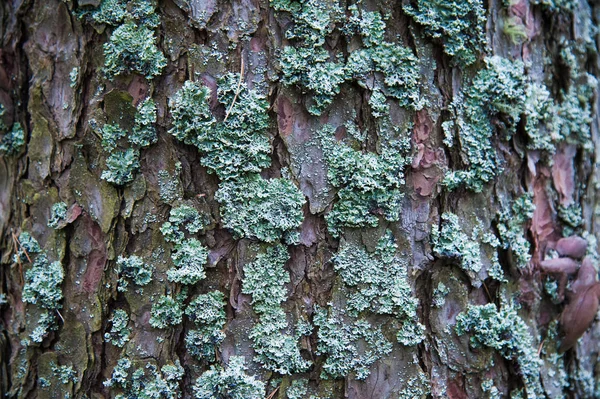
207,312
308,65
511,229
378,282
496,94
58,213
189,255
460,25
231,382
276,348
268,210
230,148
503,330
351,347
132,45
122,164
133,268
13,141
146,382
450,241
119,332
370,184
167,311
42,286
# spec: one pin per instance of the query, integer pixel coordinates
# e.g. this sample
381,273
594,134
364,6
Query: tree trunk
299,199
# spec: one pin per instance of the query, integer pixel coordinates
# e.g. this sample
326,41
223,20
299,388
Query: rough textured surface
300,199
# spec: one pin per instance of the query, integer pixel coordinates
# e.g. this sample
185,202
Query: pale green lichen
121,166
511,229
231,148
503,330
13,141
460,25
58,213
351,347
132,48
514,28
42,286
439,295
43,283
558,5
231,382
119,332
144,132
73,76
497,93
450,241
276,349
133,268
378,282
65,374
297,389
207,312
264,209
166,311
189,255
146,383
370,184
572,216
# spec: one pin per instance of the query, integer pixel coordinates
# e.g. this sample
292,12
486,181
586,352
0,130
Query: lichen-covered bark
299,199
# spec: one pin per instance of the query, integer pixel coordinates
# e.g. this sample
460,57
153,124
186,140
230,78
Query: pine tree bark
54,83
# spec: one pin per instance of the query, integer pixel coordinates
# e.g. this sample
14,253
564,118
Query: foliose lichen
351,347
511,229
42,286
58,213
378,282
119,332
167,311
133,268
264,278
492,104
268,210
231,382
503,330
207,312
231,148
370,184
189,255
459,25
147,382
13,141
450,241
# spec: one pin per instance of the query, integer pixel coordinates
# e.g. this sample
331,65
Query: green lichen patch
450,241
189,255
147,382
207,312
133,268
264,209
378,282
505,331
13,141
43,283
230,382
459,25
114,12
132,48
492,104
58,213
42,286
350,347
167,311
511,229
231,148
144,132
276,349
121,166
370,185
119,332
